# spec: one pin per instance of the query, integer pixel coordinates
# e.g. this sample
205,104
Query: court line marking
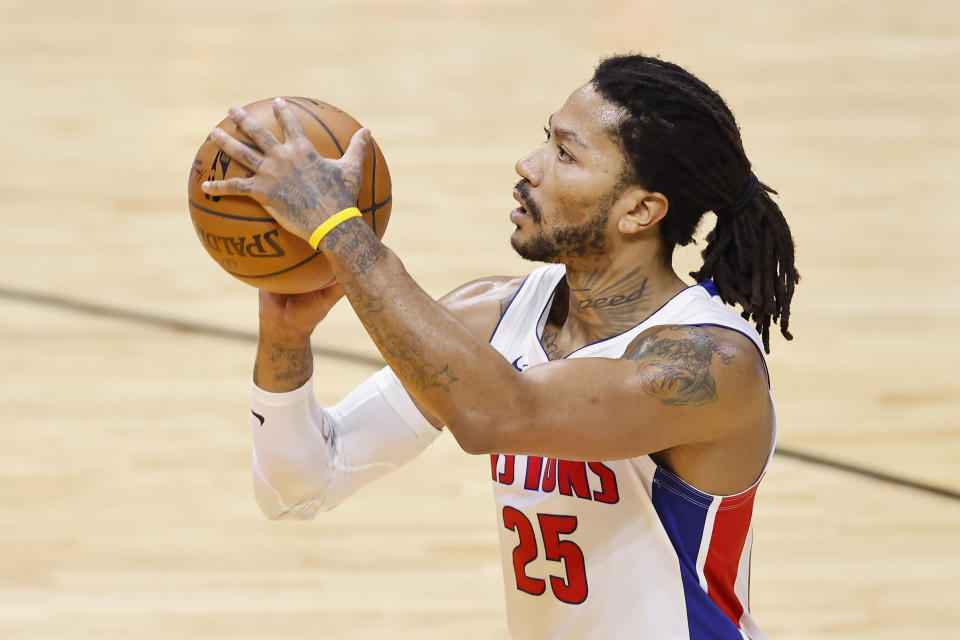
200,328
167,322
873,474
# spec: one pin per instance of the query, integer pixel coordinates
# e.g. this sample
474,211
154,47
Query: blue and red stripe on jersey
714,609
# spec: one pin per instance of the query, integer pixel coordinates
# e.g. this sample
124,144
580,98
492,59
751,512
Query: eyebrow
567,134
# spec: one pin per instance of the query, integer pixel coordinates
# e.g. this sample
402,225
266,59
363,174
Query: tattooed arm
676,385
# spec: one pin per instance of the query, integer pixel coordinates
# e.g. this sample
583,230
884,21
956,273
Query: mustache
526,192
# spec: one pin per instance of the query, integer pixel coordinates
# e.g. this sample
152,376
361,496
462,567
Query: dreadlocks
683,141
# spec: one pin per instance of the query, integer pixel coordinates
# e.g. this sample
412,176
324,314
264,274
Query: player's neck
601,301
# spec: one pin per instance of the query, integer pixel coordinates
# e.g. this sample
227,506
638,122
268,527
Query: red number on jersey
525,552
573,588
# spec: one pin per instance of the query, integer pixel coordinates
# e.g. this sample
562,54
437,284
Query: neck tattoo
603,305
611,301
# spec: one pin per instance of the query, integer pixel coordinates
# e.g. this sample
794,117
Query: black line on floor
176,324
837,465
166,322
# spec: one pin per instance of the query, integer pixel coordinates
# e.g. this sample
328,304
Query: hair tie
743,200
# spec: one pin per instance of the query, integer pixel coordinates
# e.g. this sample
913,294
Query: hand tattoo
300,191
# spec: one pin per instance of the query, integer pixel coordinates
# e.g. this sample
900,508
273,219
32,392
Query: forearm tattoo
356,245
290,366
676,370
401,350
359,249
410,363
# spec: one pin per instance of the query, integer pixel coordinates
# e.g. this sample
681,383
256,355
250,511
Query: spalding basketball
242,237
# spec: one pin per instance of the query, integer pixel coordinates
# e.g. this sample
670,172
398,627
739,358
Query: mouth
521,213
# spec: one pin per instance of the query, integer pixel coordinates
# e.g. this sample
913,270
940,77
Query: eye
561,152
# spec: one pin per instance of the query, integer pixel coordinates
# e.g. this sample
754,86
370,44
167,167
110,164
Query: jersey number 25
573,588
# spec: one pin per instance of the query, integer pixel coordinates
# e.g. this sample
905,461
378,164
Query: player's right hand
296,314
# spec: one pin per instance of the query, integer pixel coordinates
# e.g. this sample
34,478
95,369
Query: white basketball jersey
622,548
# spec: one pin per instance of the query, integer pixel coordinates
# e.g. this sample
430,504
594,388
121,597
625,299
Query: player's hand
295,184
296,315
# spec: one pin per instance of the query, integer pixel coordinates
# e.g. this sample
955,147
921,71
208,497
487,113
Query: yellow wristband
330,223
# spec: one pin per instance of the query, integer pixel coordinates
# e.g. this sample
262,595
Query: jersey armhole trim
677,485
507,308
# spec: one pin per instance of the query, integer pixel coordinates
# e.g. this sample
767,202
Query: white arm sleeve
307,458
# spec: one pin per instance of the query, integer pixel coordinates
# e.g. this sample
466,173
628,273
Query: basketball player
627,414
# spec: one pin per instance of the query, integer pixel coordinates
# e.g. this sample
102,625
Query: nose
526,167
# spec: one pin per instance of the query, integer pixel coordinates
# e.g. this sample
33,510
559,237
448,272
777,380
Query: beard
584,240
579,241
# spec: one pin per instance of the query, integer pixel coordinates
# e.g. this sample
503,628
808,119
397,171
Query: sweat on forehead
595,113
608,114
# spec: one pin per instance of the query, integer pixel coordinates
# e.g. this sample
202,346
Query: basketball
242,237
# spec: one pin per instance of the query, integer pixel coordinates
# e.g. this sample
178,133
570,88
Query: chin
532,250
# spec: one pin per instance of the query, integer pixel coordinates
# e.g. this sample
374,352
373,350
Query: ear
643,210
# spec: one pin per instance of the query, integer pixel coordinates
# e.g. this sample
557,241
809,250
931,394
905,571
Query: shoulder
480,303
684,364
482,290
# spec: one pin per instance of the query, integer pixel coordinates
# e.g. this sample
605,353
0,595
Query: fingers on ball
288,120
359,146
232,186
248,157
256,131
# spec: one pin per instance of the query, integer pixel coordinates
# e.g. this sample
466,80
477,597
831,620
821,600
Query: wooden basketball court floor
125,500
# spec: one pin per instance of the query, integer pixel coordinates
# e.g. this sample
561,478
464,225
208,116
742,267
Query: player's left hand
298,314
294,183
